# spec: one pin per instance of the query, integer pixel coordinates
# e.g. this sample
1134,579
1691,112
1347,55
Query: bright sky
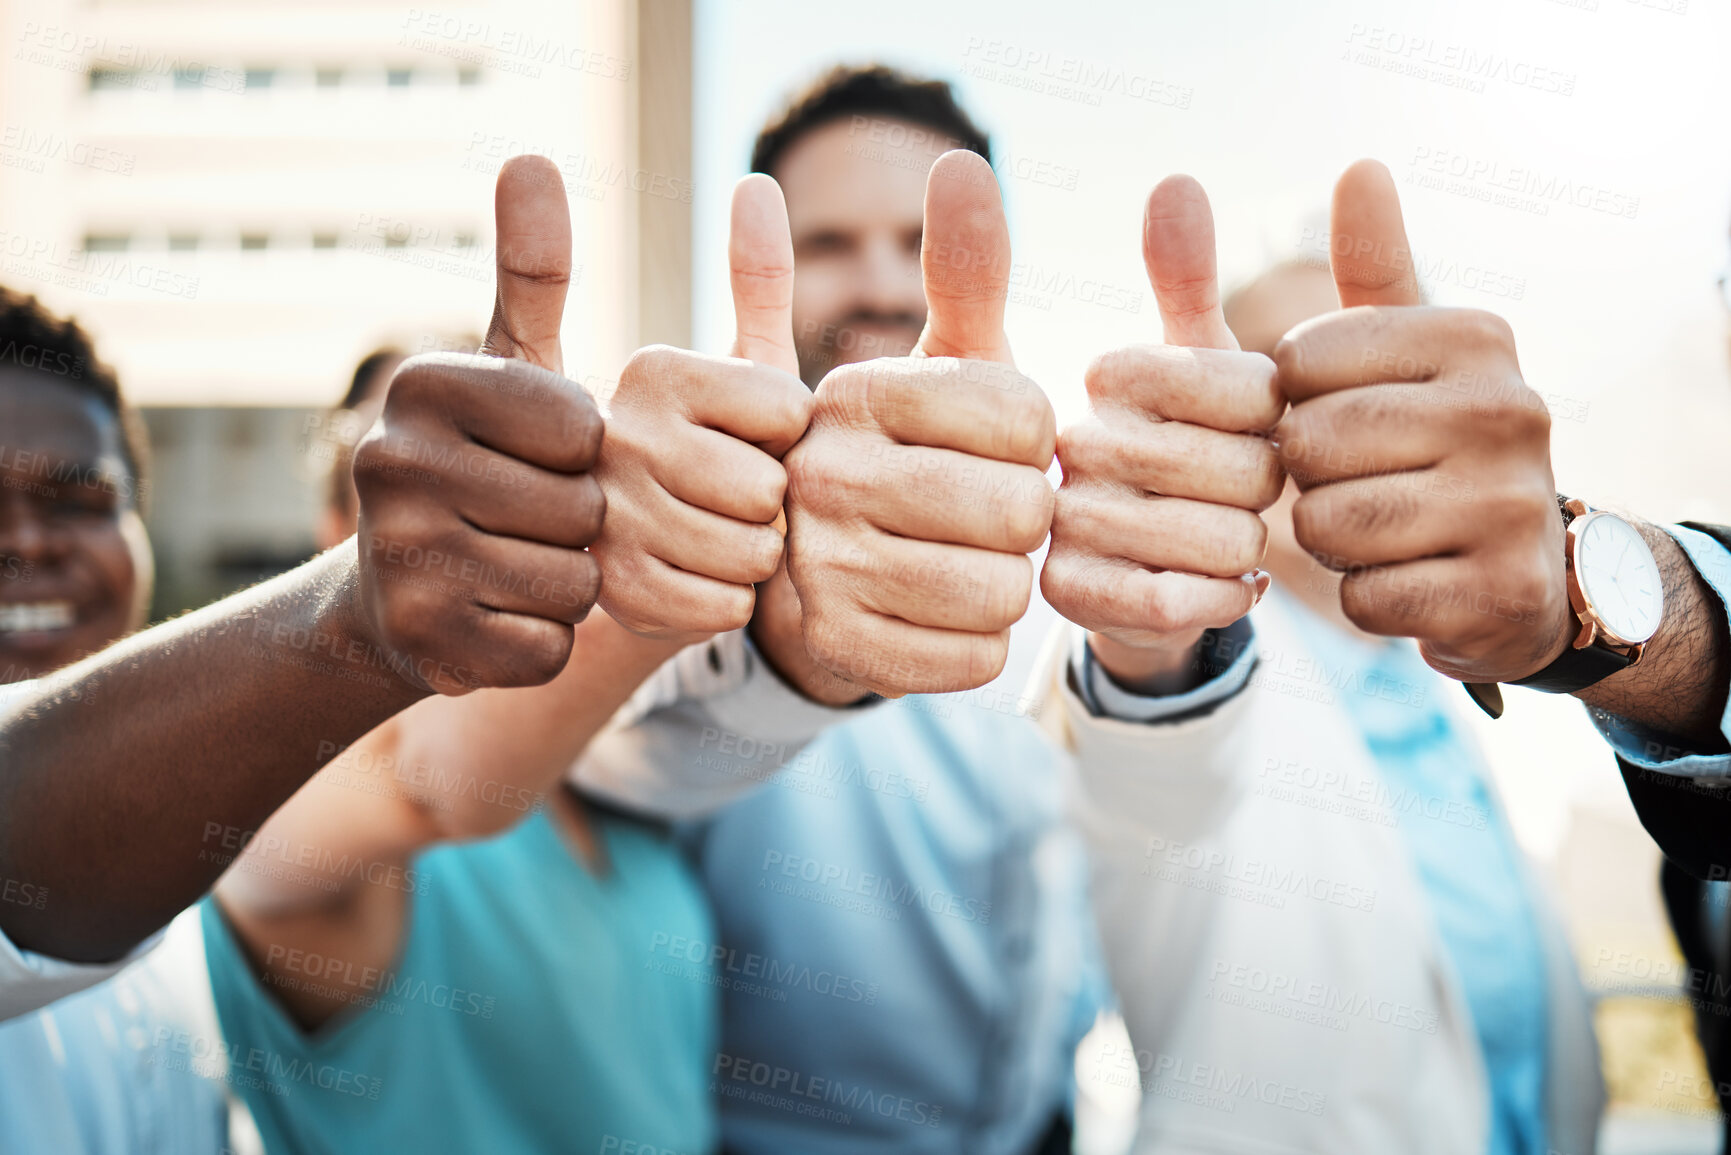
1600,122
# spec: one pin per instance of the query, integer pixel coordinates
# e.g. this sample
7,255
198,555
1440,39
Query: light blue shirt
1466,859
89,1075
535,1007
1648,748
905,951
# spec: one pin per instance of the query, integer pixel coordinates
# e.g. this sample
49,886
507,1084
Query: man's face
69,582
855,193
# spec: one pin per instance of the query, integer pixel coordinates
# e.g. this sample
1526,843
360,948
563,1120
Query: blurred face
71,576
856,203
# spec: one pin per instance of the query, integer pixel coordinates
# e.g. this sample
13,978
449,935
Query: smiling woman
74,563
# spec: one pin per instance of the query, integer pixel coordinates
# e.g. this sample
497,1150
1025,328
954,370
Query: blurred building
242,199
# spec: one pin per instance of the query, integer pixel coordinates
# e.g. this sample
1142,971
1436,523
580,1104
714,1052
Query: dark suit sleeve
1691,823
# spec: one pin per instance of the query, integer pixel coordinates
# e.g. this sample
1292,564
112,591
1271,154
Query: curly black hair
33,338
867,90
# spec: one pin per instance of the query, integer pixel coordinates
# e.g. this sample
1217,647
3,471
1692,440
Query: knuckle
1027,516
584,578
1159,614
1358,601
1031,429
650,366
1239,543
1288,358
1266,477
985,656
1008,587
1314,522
760,552
765,491
1484,330
1263,389
729,609
588,508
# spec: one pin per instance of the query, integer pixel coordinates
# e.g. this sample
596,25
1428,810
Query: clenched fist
920,488
1424,458
1156,535
691,465
475,487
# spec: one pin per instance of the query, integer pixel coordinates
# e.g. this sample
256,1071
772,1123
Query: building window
107,242
324,240
110,79
468,77
252,242
182,242
328,77
192,77
398,77
258,79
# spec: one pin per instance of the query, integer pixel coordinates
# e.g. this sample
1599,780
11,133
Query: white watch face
1617,573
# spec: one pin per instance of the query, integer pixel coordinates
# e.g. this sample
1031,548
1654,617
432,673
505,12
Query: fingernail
1263,580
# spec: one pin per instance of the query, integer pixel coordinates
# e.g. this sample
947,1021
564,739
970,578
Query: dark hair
361,386
33,338
872,89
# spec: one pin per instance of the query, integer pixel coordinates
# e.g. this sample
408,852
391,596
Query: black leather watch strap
1576,670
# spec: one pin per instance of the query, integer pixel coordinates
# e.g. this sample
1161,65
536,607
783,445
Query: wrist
776,630
339,612
1170,666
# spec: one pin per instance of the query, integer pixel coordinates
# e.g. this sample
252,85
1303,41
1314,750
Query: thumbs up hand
1424,458
475,487
919,490
691,464
1156,535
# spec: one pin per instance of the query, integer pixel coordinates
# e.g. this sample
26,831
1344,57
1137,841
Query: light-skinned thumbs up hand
1424,458
1157,535
691,464
920,488
476,487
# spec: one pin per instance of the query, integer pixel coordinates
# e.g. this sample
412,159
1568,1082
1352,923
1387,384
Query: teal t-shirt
530,1010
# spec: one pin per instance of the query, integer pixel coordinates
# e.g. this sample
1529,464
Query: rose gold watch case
1593,630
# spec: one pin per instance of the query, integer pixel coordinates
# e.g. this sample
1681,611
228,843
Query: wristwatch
1617,595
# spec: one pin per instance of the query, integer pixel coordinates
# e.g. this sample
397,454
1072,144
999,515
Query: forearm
480,762
130,778
1679,685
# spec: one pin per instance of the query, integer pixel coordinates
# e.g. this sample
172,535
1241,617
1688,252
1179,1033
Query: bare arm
330,876
124,773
